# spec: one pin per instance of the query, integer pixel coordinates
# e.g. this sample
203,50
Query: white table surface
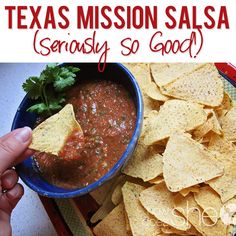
29,217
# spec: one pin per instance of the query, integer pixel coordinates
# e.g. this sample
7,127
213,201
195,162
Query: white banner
111,31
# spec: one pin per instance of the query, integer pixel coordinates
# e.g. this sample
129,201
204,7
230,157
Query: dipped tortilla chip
141,222
164,73
174,115
203,86
113,224
186,161
209,201
228,123
145,163
51,135
158,201
188,207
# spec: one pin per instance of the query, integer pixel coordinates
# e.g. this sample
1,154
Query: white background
219,45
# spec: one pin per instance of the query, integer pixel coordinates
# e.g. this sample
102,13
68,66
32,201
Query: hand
13,149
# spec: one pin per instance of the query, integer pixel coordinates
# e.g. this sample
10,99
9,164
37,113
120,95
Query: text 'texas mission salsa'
107,115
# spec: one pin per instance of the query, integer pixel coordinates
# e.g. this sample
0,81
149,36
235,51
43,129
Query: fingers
23,156
13,145
9,179
14,195
9,199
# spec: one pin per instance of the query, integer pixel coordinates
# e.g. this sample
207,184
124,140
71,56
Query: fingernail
23,134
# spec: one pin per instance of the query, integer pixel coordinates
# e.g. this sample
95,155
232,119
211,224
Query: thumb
12,146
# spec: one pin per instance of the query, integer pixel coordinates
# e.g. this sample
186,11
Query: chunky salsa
107,115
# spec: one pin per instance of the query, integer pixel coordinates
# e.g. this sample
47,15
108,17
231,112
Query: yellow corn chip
186,161
186,191
228,123
149,105
107,204
141,72
209,201
167,229
164,73
225,106
212,124
141,222
145,163
157,180
203,86
113,224
194,214
223,146
99,194
50,136
158,201
127,223
225,185
174,115
154,92
116,197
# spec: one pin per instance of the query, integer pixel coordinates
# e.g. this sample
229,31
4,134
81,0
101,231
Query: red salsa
107,115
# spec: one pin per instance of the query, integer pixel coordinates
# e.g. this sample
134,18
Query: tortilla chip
223,146
116,197
225,106
113,224
212,124
228,123
99,194
154,92
141,72
157,180
149,105
209,201
128,228
145,163
203,86
186,161
141,222
186,191
195,215
107,205
51,135
158,201
164,73
147,122
167,229
173,115
225,185
227,213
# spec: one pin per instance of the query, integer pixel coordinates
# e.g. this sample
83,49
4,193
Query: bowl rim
114,169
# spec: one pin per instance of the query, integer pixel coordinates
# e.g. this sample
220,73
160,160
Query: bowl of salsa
109,109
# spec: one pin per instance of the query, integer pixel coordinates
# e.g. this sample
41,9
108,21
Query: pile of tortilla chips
183,171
